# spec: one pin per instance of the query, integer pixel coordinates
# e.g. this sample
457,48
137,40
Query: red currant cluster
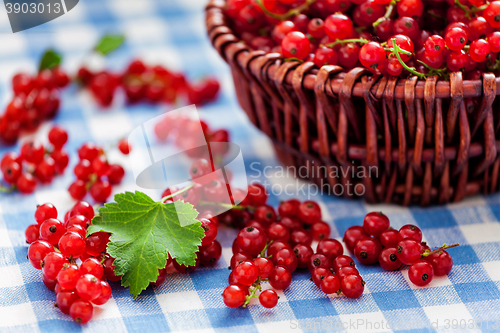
181,129
35,162
142,83
377,242
390,37
270,247
94,174
35,99
54,248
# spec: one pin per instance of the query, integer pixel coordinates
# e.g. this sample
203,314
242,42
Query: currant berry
288,208
109,269
300,236
421,273
37,252
406,26
93,267
115,174
234,296
80,220
83,208
494,41
375,223
330,284
353,235
61,160
105,294
295,45
331,248
320,230
352,286
278,232
411,231
347,270
68,276
309,212
32,152
441,262
81,311
124,146
492,14
202,172
257,195
251,240
372,56
265,214
78,189
319,260
89,151
410,8
275,247
26,183
72,245
58,137
388,259
83,170
88,287
45,212
100,190
238,258
32,233
368,250
479,49
325,56
186,269
455,39
210,231
246,273
390,238
408,251
286,258
268,298
210,253
342,261
316,28
52,264
265,267
291,223
281,278
51,231
65,299
100,165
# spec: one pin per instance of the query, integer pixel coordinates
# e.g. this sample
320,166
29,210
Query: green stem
388,13
439,249
228,206
263,252
345,41
176,193
290,13
249,297
405,66
5,189
464,8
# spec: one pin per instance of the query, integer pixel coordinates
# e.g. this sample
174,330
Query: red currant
281,278
268,298
342,261
330,284
58,137
375,223
265,267
372,56
251,240
32,233
331,248
26,183
441,262
295,45
93,267
352,286
81,311
338,26
353,235
411,231
105,294
37,252
72,245
388,259
492,14
421,273
408,251
51,231
234,296
32,152
309,212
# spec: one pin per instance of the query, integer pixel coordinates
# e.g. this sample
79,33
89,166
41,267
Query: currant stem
412,70
176,193
345,41
5,189
464,8
388,13
249,297
439,249
263,252
290,13
229,206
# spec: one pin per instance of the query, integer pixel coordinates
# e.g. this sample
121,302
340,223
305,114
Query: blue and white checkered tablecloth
172,32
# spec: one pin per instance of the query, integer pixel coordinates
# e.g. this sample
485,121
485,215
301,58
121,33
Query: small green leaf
50,59
143,231
109,43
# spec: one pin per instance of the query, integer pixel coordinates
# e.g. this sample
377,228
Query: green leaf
143,231
50,59
109,43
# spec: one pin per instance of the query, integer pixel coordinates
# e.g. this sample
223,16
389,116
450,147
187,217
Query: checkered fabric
171,32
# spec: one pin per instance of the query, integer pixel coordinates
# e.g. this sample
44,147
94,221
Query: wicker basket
417,135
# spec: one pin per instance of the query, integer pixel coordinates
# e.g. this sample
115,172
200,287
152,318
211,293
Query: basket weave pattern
426,147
